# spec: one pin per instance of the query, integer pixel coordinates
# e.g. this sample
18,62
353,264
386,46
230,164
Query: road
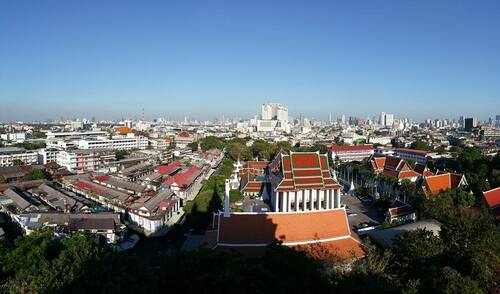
365,213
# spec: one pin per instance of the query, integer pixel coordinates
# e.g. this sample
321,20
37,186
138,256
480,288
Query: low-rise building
155,215
400,212
106,225
116,143
10,156
186,184
351,153
81,161
418,156
47,155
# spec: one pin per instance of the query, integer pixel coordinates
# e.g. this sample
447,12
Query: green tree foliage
31,145
2,180
35,174
420,145
18,162
262,149
211,142
41,264
237,150
193,146
120,154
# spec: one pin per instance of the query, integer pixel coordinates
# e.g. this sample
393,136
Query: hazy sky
421,59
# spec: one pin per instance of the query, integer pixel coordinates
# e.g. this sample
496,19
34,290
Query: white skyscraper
386,119
273,116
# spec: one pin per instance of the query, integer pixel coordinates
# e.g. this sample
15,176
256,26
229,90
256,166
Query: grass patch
210,199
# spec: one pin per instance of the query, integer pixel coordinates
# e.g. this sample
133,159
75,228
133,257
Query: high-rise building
386,119
497,121
273,116
274,111
470,123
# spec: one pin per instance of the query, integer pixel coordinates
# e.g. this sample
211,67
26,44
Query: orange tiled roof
124,130
438,183
492,197
292,229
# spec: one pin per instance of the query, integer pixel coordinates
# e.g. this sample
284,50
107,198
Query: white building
274,117
8,155
386,120
74,135
155,215
13,137
47,155
159,144
81,161
116,143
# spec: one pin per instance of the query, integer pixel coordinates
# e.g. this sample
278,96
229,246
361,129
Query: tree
415,252
40,263
120,154
35,174
451,281
211,142
193,146
420,145
238,151
18,162
2,180
262,149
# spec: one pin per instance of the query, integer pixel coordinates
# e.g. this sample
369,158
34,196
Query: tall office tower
389,120
386,119
470,123
281,113
381,120
274,111
497,121
267,111
461,121
342,119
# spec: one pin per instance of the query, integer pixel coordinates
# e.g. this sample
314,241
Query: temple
293,201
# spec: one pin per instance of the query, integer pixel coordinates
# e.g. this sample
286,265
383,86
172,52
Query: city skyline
107,60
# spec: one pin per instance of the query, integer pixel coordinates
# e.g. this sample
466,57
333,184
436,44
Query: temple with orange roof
394,167
442,182
305,209
301,181
492,199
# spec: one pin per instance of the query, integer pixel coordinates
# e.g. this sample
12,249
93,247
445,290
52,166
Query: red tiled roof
492,197
305,170
183,178
337,148
253,187
256,164
88,187
415,151
168,169
183,134
102,178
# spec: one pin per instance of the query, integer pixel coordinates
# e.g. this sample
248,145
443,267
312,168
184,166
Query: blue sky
420,59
